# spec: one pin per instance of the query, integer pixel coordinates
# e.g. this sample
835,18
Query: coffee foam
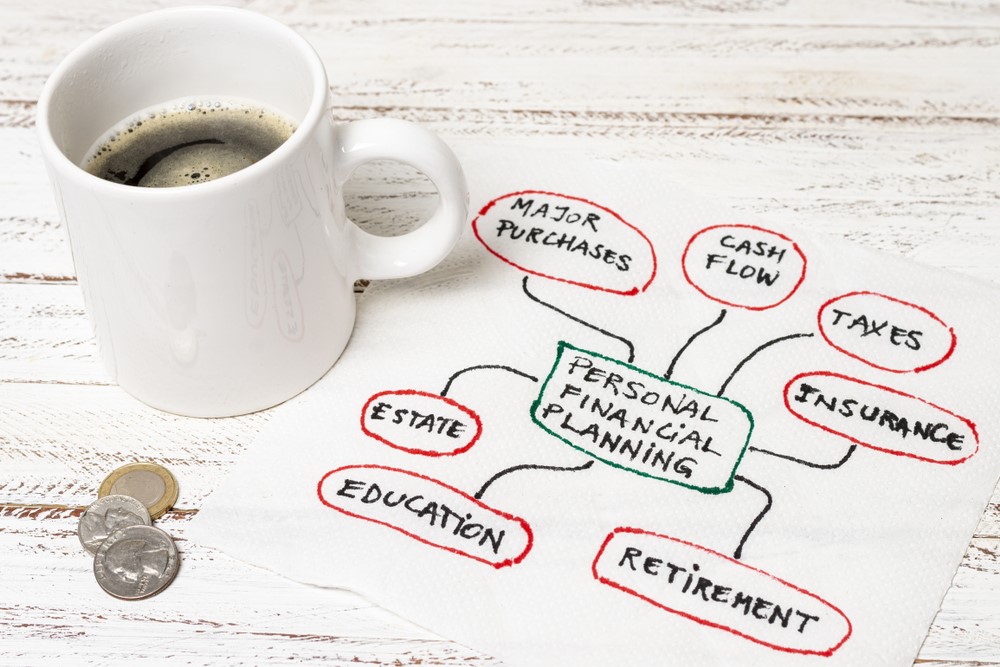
187,142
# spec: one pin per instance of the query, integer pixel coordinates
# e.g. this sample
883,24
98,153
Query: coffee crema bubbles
186,142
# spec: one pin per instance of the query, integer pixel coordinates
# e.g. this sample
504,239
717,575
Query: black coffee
184,143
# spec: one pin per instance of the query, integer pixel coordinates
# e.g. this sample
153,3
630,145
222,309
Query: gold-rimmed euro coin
149,483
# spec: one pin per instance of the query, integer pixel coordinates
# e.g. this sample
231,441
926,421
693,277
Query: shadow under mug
233,295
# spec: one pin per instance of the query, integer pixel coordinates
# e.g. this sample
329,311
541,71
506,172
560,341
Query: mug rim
58,160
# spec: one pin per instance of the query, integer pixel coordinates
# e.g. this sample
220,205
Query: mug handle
378,257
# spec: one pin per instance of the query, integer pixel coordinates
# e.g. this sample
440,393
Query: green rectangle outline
563,345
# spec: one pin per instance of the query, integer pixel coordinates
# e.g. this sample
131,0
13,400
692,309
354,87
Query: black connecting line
670,370
810,464
753,524
696,334
528,466
447,386
750,356
794,459
631,348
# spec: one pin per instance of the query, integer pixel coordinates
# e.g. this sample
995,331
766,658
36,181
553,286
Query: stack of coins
133,559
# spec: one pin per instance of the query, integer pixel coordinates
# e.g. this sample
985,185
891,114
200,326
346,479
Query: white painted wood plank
217,611
220,611
967,627
989,525
609,12
888,72
928,195
45,335
58,442
860,124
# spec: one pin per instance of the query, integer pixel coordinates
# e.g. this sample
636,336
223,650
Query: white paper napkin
622,425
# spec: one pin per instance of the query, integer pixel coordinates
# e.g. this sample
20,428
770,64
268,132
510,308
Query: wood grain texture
874,121
203,618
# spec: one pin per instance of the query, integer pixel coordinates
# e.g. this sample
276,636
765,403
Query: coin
148,482
136,562
108,514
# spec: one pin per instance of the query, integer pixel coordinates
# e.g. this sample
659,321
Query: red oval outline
925,311
427,394
795,247
703,621
497,565
890,390
631,292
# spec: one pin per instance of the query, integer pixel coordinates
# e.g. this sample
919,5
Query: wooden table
874,121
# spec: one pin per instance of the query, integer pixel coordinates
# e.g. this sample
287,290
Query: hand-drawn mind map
641,422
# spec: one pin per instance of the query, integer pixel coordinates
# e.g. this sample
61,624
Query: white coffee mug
233,295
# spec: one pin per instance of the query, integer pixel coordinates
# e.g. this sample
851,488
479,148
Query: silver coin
136,562
106,516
